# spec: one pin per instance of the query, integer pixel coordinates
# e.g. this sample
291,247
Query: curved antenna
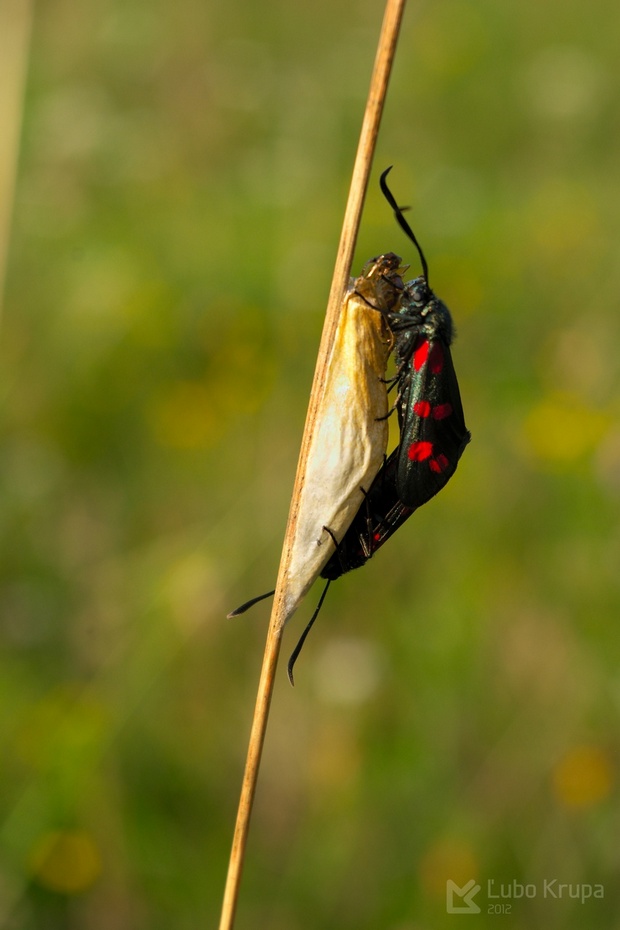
302,638
241,610
400,219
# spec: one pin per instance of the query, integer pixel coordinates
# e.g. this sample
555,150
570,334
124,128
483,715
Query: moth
432,427
348,446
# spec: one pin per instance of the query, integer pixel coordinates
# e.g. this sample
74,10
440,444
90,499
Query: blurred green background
181,182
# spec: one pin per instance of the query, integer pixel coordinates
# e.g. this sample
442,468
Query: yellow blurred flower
66,861
447,858
583,777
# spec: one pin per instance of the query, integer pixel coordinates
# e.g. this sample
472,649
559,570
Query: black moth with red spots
432,429
430,413
432,434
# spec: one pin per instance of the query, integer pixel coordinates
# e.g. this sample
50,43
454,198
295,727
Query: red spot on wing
436,358
439,464
420,451
441,411
420,354
422,408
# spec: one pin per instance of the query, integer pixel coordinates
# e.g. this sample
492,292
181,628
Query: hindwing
380,515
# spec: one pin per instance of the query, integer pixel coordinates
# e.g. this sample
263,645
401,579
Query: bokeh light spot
349,671
563,82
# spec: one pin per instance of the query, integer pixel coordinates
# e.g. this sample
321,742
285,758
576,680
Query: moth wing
433,432
379,516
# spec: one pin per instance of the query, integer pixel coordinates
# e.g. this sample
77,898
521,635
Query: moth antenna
248,604
400,219
302,638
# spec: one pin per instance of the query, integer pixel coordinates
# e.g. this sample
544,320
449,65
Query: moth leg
390,411
366,544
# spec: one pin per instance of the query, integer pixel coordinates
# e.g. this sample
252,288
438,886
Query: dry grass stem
359,183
